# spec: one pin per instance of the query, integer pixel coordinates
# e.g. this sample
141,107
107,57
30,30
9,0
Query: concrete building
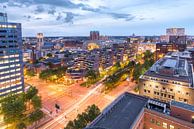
11,58
40,41
130,111
94,35
175,31
170,78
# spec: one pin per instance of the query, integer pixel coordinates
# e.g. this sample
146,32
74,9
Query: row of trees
84,119
53,74
141,68
120,75
21,110
134,69
92,77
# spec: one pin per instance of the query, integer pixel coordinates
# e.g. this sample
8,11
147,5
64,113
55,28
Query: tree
32,91
35,116
36,102
49,55
15,111
30,73
92,74
83,119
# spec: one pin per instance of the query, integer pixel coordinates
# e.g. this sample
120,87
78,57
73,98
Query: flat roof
182,105
170,63
121,114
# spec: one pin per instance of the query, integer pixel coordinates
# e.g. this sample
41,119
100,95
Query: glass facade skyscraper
11,62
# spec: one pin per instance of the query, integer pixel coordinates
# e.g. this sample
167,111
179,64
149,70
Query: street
73,99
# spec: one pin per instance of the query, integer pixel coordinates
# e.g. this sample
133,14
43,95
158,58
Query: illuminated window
158,123
171,127
192,119
152,120
165,125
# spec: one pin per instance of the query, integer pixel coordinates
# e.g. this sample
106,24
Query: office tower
40,41
130,111
175,31
94,35
3,17
170,78
11,60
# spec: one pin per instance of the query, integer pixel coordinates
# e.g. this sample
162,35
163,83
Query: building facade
175,31
130,111
11,59
170,78
163,48
94,35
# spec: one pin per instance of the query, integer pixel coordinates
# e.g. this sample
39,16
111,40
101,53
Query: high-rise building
40,41
130,111
11,60
94,35
170,78
175,31
3,17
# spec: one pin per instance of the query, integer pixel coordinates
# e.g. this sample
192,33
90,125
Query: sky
110,17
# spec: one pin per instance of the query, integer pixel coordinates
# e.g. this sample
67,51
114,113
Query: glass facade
11,63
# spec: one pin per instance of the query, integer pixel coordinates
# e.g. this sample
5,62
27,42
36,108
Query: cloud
59,17
127,17
38,18
52,10
28,17
69,17
66,17
39,9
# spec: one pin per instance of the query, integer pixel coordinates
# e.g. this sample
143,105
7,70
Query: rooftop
170,63
121,114
125,110
182,105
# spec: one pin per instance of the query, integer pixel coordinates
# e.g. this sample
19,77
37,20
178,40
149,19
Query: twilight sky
110,17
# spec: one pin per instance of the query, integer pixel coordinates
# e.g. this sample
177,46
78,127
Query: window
171,127
192,119
158,123
152,120
164,125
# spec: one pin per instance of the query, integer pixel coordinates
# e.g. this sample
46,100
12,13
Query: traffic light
57,106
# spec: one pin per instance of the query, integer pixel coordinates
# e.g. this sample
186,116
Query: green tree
36,102
85,118
30,73
49,55
15,111
92,74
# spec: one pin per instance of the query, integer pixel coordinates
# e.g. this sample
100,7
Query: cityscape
89,64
